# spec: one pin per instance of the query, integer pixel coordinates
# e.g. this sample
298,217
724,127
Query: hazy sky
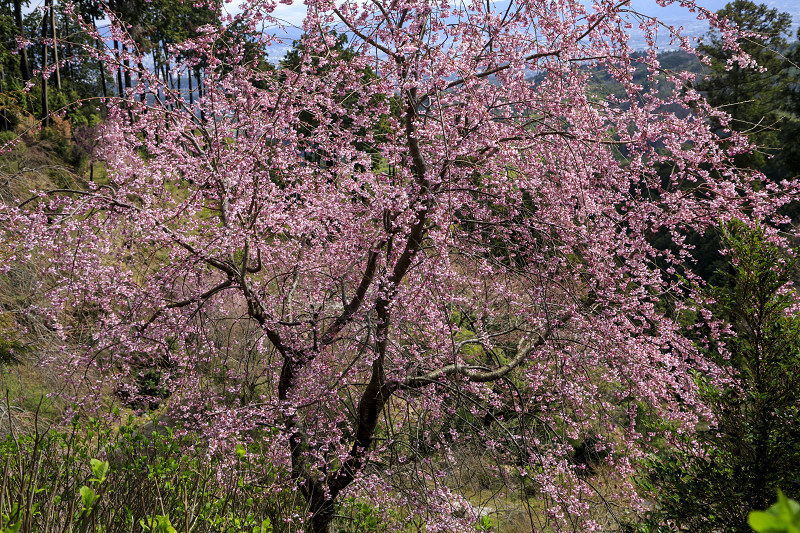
673,15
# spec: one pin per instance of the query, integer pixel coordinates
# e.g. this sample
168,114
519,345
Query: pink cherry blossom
467,234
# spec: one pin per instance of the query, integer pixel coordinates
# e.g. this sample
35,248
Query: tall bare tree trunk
25,66
120,87
55,44
167,70
191,90
143,94
45,104
157,71
127,69
167,84
200,94
100,46
112,5
2,114
66,35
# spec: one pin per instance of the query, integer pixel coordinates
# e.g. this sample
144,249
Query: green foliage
755,99
790,132
485,524
155,482
358,516
10,522
11,345
12,100
782,517
299,59
763,102
755,447
157,524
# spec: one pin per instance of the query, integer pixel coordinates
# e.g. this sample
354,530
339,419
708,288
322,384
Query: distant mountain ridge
675,15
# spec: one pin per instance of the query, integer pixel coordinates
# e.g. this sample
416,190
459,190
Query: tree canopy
755,97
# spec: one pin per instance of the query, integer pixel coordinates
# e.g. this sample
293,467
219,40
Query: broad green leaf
87,496
99,469
13,528
265,527
765,522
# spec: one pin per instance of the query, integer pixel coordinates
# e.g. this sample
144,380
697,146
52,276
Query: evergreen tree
755,98
758,100
790,155
754,448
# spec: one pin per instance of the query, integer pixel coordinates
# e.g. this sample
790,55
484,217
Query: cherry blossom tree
446,222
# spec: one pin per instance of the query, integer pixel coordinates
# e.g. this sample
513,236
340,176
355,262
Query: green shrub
754,448
358,516
91,478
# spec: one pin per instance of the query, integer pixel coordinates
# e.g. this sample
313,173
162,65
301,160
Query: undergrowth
87,477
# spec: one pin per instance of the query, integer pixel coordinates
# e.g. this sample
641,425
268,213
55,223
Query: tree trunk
45,104
24,65
143,94
322,519
117,49
157,71
200,94
120,87
191,90
55,45
167,73
3,115
99,45
70,68
102,74
166,83
127,69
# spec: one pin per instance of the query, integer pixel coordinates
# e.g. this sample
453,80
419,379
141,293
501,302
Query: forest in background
87,476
